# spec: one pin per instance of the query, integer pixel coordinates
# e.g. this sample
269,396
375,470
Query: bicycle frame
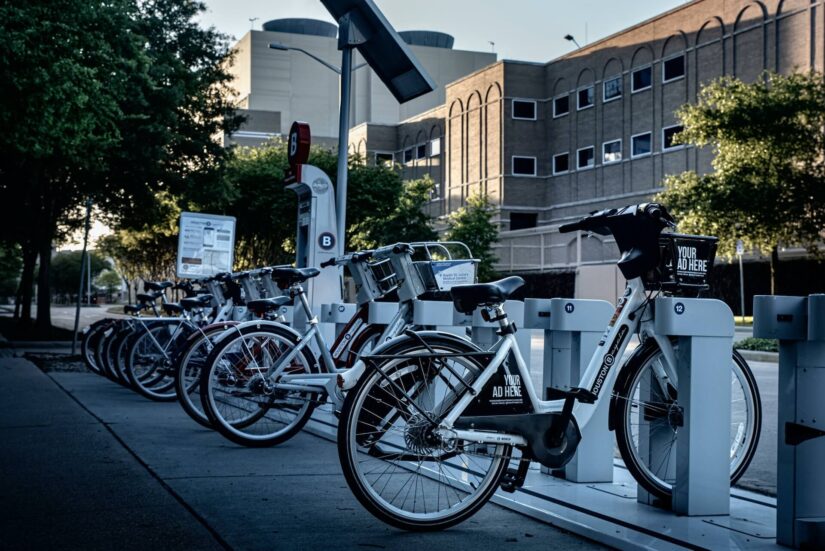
601,372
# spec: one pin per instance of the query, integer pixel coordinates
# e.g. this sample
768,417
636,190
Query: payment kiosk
317,239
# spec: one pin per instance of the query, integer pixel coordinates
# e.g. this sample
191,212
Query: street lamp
571,38
343,133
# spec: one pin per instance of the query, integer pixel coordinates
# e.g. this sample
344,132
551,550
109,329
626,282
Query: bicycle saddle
157,285
133,308
290,276
148,297
172,308
467,298
196,302
263,305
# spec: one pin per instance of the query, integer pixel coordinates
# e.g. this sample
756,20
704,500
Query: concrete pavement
87,464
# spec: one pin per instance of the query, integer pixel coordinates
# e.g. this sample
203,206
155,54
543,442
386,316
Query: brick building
592,129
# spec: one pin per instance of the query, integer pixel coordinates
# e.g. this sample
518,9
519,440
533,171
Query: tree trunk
44,303
774,267
26,290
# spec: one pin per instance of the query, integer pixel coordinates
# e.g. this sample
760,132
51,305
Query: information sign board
206,245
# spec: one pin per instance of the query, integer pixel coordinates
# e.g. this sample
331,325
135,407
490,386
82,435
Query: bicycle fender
348,379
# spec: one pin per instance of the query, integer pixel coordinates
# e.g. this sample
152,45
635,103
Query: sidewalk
89,465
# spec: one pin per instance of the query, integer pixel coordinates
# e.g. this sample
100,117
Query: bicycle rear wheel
240,386
149,356
645,408
398,466
188,368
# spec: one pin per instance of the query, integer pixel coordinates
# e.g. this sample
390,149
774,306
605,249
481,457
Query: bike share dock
605,505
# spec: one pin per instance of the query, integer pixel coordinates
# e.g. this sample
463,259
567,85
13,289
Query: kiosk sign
206,245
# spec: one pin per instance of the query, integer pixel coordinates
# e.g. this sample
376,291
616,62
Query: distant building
278,87
548,142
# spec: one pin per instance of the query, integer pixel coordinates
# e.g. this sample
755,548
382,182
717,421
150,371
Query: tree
768,183
112,100
10,264
472,224
109,281
406,222
67,266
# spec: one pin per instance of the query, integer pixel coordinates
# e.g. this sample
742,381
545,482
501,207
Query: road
88,464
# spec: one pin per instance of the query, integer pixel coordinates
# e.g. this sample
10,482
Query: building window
408,155
612,89
523,220
641,79
561,163
585,158
668,134
673,68
383,159
561,106
641,144
524,109
435,147
524,166
585,96
421,151
611,152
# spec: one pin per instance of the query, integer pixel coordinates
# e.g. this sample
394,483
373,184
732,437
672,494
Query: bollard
799,325
338,314
437,314
704,329
572,328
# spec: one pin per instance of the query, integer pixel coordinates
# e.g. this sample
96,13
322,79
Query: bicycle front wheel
396,463
649,408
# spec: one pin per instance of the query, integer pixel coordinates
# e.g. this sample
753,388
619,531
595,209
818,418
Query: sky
526,30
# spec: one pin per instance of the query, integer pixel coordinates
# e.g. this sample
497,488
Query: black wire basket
685,262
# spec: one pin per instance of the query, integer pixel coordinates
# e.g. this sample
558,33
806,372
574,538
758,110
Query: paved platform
86,464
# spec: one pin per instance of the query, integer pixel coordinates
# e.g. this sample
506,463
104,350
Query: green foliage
472,224
109,281
111,100
405,222
760,345
768,183
149,251
67,266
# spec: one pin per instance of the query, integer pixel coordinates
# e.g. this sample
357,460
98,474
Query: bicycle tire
349,434
188,393
622,415
214,390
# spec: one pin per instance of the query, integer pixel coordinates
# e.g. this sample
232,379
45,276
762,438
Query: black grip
567,228
325,263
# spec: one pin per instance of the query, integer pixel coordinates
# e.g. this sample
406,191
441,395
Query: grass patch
759,345
58,363
743,321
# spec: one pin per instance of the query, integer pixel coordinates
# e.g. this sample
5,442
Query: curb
758,356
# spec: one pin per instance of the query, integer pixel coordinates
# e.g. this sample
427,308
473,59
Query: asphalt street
86,464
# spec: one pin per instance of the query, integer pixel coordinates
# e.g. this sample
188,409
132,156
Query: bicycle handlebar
326,263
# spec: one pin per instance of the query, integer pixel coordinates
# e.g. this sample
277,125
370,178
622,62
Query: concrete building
592,129
289,86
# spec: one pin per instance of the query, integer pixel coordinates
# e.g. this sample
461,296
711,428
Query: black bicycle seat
147,297
263,305
290,276
196,302
467,298
157,285
133,308
172,308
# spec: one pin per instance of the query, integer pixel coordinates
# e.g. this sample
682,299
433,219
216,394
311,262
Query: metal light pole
345,74
83,258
